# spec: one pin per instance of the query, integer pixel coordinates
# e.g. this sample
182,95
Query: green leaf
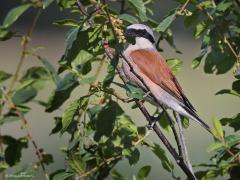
140,8
82,63
116,175
8,119
69,114
62,92
219,62
228,91
105,119
132,155
47,158
47,3
134,92
200,28
143,172
51,70
160,153
217,128
232,140
76,41
3,166
62,175
68,22
175,65
24,95
166,22
5,34
71,111
129,18
13,152
110,72
164,122
189,20
214,147
4,76
223,6
14,14
233,122
196,62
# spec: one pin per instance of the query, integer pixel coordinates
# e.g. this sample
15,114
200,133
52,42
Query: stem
26,40
28,131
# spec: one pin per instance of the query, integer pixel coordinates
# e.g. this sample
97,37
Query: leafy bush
101,133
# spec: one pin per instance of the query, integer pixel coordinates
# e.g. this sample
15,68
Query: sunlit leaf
175,65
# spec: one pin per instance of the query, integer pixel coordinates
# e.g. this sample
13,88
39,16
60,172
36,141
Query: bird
157,80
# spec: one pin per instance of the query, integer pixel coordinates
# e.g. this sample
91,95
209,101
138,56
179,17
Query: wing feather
153,65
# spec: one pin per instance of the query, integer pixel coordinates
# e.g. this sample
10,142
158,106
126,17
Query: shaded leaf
14,14
24,95
116,175
166,22
233,122
129,18
47,3
62,92
143,172
4,76
134,92
141,9
214,147
68,22
160,153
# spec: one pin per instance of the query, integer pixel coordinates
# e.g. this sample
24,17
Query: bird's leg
154,120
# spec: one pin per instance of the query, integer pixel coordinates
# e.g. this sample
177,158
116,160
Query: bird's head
139,31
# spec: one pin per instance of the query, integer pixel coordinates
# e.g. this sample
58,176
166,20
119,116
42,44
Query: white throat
141,43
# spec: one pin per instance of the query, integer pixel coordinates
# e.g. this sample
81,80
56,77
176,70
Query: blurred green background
198,86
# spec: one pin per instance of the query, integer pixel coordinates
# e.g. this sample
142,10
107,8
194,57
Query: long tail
196,118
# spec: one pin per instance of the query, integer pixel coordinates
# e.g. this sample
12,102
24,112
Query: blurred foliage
101,133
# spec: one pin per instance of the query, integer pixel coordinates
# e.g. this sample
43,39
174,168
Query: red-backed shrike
154,71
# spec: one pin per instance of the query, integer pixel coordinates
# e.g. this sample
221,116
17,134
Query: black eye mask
132,33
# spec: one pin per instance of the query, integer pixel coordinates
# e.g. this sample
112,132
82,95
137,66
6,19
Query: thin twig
28,131
183,7
26,40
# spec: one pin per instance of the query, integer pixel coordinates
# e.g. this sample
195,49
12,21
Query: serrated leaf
166,22
143,173
14,14
175,65
160,153
4,76
70,112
